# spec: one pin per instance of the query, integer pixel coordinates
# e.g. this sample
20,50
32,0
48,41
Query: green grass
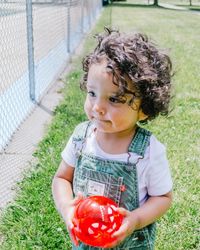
31,222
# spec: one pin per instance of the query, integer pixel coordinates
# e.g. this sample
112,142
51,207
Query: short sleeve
69,153
159,181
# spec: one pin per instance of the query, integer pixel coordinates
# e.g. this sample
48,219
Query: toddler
128,83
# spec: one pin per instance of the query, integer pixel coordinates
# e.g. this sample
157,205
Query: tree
155,2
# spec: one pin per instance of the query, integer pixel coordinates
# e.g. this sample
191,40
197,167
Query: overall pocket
91,182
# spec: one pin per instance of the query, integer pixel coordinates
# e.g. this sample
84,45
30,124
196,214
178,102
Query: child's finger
123,211
121,231
73,236
111,245
77,199
80,195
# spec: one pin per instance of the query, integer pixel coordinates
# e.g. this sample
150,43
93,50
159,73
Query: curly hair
134,57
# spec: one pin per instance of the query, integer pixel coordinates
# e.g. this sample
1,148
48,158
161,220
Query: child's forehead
98,72
100,69
101,62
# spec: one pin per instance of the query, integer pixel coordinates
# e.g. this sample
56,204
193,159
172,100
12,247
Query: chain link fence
36,40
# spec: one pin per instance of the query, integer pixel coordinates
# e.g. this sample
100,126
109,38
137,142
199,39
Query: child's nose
99,107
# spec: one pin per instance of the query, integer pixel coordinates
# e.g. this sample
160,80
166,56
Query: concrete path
175,7
172,7
17,157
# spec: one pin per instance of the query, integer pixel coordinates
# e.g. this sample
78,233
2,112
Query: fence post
68,28
82,16
90,14
31,64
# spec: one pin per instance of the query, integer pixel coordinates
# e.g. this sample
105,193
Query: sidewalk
172,7
181,8
17,157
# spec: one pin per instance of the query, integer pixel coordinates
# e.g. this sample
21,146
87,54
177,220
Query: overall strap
80,131
140,141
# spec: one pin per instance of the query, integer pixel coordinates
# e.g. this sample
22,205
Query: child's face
102,106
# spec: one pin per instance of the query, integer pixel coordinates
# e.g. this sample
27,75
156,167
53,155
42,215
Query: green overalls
114,179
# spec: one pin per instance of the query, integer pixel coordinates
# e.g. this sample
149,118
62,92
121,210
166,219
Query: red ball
95,220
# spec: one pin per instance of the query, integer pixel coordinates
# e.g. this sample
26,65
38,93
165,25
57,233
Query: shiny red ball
95,220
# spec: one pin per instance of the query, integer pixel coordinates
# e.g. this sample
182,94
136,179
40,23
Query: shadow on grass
194,9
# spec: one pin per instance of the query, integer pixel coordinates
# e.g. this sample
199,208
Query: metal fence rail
36,40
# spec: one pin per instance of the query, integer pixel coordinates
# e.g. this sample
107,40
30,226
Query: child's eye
117,99
91,93
114,99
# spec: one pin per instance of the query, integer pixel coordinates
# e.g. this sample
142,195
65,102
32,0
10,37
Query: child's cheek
88,108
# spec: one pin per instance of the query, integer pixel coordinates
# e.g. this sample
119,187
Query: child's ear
141,115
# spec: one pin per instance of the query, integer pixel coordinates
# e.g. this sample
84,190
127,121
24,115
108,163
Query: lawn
31,222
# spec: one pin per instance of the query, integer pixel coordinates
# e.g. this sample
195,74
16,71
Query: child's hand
128,226
68,217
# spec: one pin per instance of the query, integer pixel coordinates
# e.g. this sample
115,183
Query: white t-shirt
154,177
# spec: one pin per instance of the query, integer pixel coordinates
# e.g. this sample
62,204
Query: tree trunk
155,2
